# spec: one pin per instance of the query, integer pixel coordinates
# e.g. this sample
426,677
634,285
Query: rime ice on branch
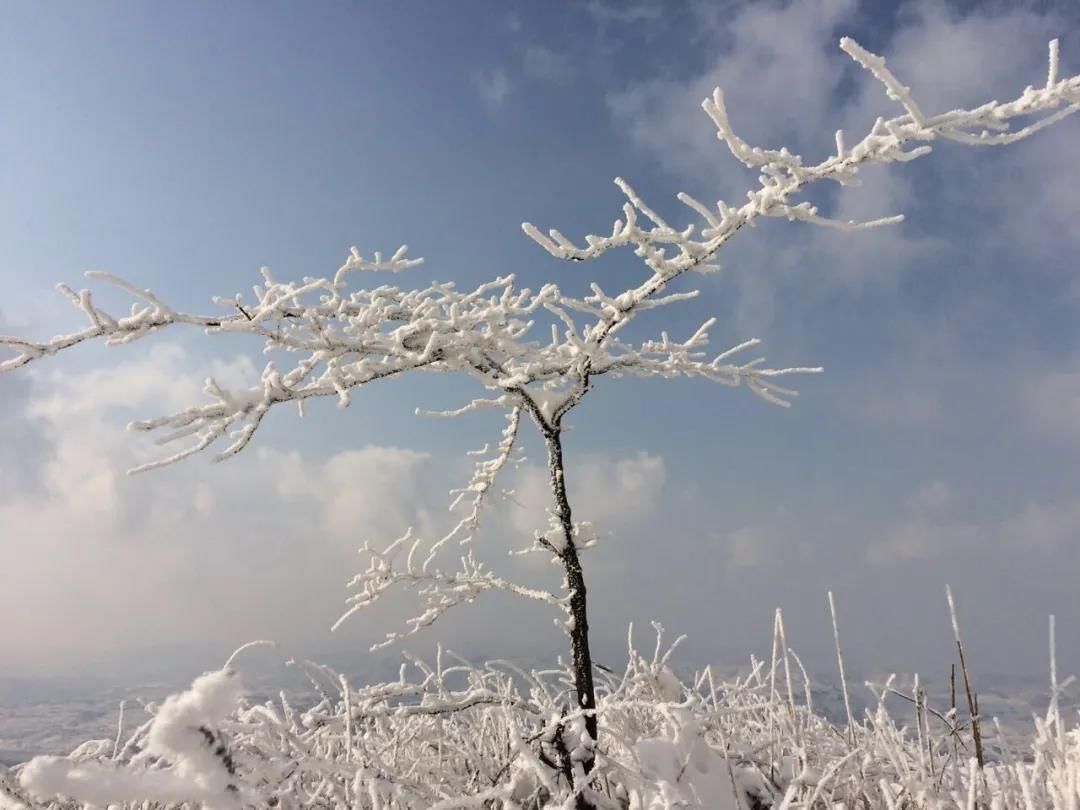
348,338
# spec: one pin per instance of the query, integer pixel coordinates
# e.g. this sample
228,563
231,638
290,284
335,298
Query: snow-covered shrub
452,735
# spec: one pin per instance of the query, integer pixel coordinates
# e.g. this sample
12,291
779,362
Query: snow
450,735
184,732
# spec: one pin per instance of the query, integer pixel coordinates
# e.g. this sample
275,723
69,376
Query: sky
184,146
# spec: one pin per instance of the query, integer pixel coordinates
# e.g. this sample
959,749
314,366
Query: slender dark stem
973,708
575,581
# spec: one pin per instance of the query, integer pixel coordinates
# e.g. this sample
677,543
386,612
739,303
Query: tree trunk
575,581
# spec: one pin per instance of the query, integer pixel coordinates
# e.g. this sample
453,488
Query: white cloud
752,547
1048,528
537,62
359,493
782,75
78,412
494,87
781,71
911,408
611,493
152,380
927,531
261,546
1053,221
776,77
921,539
1052,404
621,13
932,529
543,63
932,497
953,60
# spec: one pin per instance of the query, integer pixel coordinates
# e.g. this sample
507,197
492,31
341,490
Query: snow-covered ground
55,715
667,741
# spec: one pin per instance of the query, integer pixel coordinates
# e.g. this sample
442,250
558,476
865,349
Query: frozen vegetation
451,735
447,735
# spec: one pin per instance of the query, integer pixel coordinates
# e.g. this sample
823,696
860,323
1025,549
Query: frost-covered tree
343,338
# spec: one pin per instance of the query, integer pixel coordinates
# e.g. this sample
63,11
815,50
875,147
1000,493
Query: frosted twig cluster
348,339
438,590
483,480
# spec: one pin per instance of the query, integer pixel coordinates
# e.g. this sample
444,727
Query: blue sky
185,146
